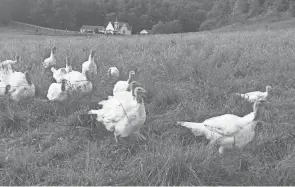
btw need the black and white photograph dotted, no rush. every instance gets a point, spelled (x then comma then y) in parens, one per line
(147, 92)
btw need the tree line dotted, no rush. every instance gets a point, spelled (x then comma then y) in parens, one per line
(160, 16)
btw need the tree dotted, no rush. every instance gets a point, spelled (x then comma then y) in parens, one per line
(96, 11)
(224, 13)
(240, 7)
(63, 17)
(187, 20)
(220, 13)
(239, 10)
(5, 12)
(254, 8)
(190, 15)
(21, 10)
(145, 22)
(157, 29)
(281, 5)
(200, 16)
(215, 11)
(133, 20)
(208, 25)
(176, 26)
(110, 17)
(292, 9)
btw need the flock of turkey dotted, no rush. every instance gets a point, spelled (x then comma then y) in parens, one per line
(124, 112)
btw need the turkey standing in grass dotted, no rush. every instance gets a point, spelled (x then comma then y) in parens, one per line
(4, 90)
(80, 82)
(57, 92)
(5, 72)
(123, 85)
(90, 66)
(72, 76)
(20, 86)
(51, 60)
(74, 84)
(253, 96)
(113, 73)
(58, 74)
(124, 96)
(124, 118)
(11, 62)
(69, 89)
(228, 130)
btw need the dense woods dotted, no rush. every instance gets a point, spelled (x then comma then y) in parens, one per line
(160, 16)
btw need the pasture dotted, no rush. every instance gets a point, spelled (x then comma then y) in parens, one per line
(189, 77)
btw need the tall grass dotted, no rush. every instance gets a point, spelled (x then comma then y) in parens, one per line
(189, 77)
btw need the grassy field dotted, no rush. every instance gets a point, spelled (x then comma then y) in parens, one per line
(189, 77)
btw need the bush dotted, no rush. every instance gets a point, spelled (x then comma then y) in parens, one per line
(292, 10)
(208, 25)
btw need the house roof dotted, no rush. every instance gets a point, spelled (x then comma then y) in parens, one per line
(110, 26)
(143, 31)
(127, 25)
(92, 27)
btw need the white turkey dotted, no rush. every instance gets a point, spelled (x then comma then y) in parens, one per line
(58, 74)
(124, 96)
(124, 118)
(123, 85)
(11, 62)
(228, 130)
(113, 73)
(57, 92)
(20, 86)
(5, 72)
(253, 96)
(90, 66)
(51, 60)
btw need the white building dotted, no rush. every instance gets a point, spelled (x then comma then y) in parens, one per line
(119, 28)
(143, 32)
(110, 29)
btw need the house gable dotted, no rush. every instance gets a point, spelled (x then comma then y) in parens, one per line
(123, 24)
(125, 30)
(110, 27)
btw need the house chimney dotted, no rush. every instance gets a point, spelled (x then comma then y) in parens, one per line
(116, 24)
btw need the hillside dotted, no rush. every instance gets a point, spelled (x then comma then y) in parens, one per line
(265, 23)
(249, 25)
(160, 16)
(268, 23)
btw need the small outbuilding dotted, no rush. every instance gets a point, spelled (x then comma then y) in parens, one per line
(143, 32)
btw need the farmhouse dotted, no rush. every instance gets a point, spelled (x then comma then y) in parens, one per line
(92, 29)
(118, 28)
